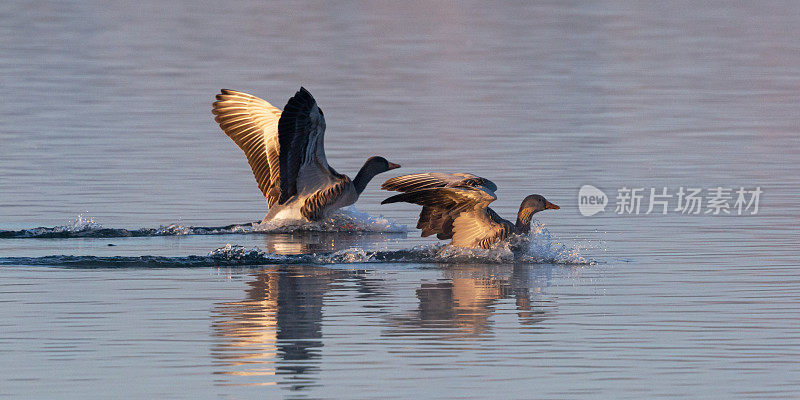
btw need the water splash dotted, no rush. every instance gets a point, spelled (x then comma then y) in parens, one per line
(345, 220)
(80, 227)
(542, 247)
(82, 223)
(537, 247)
(348, 219)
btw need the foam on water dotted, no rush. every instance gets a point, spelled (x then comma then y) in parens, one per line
(348, 219)
(345, 220)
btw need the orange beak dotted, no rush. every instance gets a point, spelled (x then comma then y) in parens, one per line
(393, 166)
(551, 206)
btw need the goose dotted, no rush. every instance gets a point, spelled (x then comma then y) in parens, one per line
(456, 206)
(285, 150)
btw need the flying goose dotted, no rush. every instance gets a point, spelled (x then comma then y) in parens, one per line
(286, 152)
(456, 206)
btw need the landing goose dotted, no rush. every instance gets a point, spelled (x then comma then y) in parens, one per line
(456, 206)
(286, 152)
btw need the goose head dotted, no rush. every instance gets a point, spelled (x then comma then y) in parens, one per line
(379, 164)
(531, 205)
(536, 203)
(373, 166)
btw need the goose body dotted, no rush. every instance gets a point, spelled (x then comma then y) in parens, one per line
(456, 206)
(286, 152)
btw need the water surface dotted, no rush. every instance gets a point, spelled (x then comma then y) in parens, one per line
(107, 114)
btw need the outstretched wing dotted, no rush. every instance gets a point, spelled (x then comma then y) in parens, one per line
(442, 205)
(437, 217)
(450, 199)
(301, 132)
(408, 183)
(252, 123)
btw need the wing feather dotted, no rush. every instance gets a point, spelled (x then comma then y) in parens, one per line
(442, 205)
(434, 220)
(480, 228)
(301, 134)
(450, 199)
(454, 206)
(408, 183)
(252, 123)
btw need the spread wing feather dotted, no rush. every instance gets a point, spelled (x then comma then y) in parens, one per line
(301, 134)
(407, 183)
(451, 199)
(435, 220)
(441, 206)
(454, 206)
(252, 124)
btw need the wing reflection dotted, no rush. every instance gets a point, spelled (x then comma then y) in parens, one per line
(461, 304)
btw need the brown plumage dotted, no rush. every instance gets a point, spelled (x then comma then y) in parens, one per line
(456, 206)
(314, 205)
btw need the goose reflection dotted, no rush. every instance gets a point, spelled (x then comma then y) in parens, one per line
(276, 330)
(461, 304)
(274, 335)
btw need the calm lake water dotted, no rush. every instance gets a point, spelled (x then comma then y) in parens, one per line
(107, 114)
